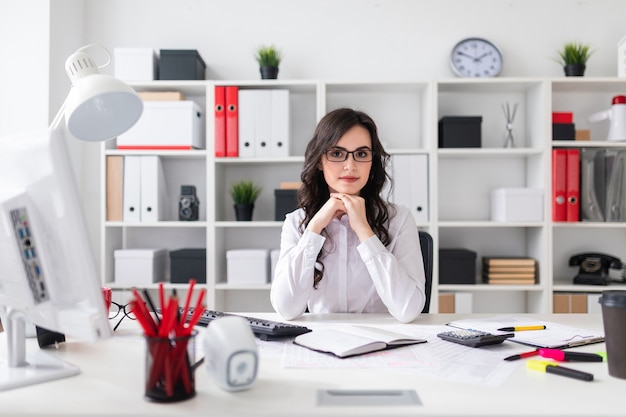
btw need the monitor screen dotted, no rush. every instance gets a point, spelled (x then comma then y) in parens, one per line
(48, 276)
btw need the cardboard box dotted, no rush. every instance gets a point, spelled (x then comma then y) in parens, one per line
(181, 64)
(457, 266)
(166, 125)
(247, 266)
(186, 264)
(517, 205)
(140, 266)
(460, 132)
(136, 64)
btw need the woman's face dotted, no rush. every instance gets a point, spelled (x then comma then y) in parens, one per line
(349, 176)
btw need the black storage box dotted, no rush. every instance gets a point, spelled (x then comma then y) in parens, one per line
(186, 264)
(286, 202)
(181, 64)
(563, 131)
(460, 131)
(457, 266)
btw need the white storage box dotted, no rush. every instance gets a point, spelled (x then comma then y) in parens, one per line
(517, 205)
(136, 64)
(247, 266)
(140, 266)
(166, 125)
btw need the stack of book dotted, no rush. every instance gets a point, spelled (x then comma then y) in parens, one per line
(509, 270)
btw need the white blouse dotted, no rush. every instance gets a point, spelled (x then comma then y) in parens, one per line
(358, 277)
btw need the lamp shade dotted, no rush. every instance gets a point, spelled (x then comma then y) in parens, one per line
(99, 107)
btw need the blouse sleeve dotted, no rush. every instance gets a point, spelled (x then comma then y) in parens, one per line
(293, 276)
(398, 270)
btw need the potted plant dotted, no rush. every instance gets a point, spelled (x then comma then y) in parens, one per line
(244, 194)
(573, 57)
(268, 57)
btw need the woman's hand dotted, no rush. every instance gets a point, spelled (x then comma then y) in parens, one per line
(334, 207)
(354, 207)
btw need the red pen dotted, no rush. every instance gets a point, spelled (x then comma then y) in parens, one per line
(522, 355)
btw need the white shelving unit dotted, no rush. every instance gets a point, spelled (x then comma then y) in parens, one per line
(407, 114)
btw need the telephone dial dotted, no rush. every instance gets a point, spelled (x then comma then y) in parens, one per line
(594, 267)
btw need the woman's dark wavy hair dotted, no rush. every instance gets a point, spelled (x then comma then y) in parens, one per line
(314, 193)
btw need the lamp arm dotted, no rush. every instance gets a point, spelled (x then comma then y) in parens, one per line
(56, 122)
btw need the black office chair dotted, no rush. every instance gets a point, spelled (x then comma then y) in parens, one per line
(426, 242)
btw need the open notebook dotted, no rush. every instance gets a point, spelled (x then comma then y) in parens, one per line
(353, 340)
(555, 336)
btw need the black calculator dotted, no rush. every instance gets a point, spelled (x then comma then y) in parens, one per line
(474, 338)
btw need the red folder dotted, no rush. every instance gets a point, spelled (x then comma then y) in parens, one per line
(220, 121)
(573, 185)
(232, 121)
(559, 184)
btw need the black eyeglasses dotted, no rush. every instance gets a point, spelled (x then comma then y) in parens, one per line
(341, 154)
(115, 311)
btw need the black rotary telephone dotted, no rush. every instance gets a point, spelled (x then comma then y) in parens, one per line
(594, 267)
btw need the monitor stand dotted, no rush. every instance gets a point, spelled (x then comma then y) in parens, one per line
(22, 369)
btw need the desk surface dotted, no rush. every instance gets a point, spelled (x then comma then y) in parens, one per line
(111, 378)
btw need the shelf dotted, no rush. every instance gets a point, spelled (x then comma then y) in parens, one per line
(459, 182)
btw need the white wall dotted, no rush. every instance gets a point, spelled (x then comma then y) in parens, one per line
(321, 39)
(24, 73)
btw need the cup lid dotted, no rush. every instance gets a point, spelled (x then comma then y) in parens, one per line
(613, 298)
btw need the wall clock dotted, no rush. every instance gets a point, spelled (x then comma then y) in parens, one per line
(476, 57)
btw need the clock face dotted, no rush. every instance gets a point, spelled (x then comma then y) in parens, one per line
(476, 57)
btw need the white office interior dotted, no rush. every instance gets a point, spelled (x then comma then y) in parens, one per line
(347, 40)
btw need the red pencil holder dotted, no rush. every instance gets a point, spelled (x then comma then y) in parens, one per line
(169, 369)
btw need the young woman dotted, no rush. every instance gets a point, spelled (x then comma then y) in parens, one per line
(346, 250)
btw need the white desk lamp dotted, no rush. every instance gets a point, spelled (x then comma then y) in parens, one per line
(98, 107)
(41, 285)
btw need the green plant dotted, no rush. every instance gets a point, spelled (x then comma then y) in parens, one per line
(245, 192)
(574, 53)
(268, 56)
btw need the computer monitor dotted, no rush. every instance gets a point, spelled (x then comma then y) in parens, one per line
(48, 274)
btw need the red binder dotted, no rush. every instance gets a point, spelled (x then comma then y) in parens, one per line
(232, 121)
(220, 121)
(573, 185)
(559, 184)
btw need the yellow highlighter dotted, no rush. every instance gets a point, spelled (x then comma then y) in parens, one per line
(553, 368)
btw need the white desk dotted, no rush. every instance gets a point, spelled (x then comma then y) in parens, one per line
(111, 383)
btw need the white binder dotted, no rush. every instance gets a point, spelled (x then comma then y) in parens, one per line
(263, 123)
(280, 123)
(410, 177)
(132, 189)
(154, 196)
(246, 123)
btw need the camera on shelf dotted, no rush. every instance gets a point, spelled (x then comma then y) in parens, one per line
(188, 203)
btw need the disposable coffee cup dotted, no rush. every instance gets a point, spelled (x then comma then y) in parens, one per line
(614, 319)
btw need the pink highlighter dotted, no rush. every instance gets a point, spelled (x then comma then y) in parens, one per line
(559, 355)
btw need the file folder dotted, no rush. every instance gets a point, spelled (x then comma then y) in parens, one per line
(280, 123)
(572, 210)
(154, 198)
(232, 121)
(559, 170)
(410, 176)
(616, 192)
(247, 106)
(220, 121)
(132, 189)
(592, 185)
(263, 118)
(115, 188)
